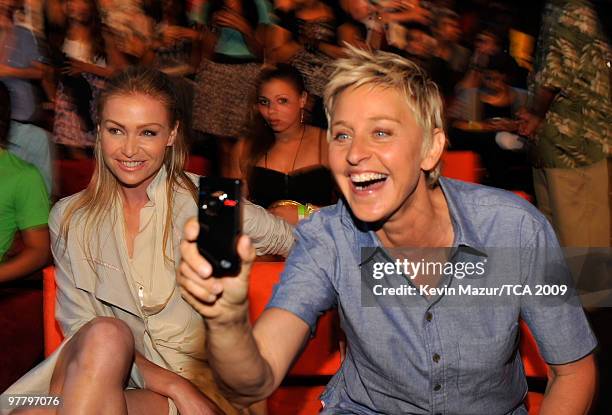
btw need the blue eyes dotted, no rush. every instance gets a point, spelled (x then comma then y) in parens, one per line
(375, 133)
(382, 133)
(341, 136)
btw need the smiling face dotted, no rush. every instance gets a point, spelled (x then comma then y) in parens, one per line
(376, 152)
(280, 104)
(135, 132)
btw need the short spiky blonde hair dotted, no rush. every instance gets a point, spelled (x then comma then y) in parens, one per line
(388, 70)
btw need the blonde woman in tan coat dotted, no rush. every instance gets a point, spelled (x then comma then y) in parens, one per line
(132, 344)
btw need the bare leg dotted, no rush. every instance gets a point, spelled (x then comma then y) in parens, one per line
(146, 402)
(91, 371)
(139, 402)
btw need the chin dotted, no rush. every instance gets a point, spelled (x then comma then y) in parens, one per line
(130, 181)
(367, 213)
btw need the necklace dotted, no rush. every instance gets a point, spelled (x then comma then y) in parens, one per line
(297, 151)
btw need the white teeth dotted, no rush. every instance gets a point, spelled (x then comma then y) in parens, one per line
(132, 164)
(366, 177)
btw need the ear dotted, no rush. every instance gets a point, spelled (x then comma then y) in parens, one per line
(303, 99)
(173, 135)
(432, 157)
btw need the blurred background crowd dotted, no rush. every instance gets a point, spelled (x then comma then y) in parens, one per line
(56, 55)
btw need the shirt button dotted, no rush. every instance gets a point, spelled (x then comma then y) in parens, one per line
(437, 387)
(428, 316)
(436, 357)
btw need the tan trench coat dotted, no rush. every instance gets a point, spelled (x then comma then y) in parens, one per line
(104, 281)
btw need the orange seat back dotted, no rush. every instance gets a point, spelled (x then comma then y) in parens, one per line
(533, 363)
(52, 331)
(322, 355)
(462, 165)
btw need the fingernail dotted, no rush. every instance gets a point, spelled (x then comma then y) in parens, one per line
(205, 270)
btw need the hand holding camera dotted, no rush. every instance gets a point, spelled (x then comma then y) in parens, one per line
(221, 300)
(215, 259)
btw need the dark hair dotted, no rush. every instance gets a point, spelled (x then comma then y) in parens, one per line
(285, 72)
(5, 114)
(259, 136)
(96, 27)
(249, 11)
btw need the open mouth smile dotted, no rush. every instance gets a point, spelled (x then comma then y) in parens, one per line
(367, 181)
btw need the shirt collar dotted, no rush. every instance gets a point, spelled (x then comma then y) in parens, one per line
(466, 233)
(156, 188)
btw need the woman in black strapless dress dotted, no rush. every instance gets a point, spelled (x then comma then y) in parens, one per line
(283, 160)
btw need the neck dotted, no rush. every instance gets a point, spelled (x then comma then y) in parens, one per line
(78, 30)
(134, 198)
(422, 221)
(293, 133)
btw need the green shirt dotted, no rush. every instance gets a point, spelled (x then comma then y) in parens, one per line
(24, 202)
(572, 56)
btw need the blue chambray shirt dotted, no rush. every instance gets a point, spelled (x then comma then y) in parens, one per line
(436, 356)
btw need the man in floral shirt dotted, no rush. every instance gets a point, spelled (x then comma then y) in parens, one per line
(569, 119)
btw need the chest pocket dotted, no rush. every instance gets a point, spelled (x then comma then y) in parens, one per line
(179, 328)
(486, 363)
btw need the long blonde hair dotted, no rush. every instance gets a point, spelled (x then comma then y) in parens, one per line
(95, 202)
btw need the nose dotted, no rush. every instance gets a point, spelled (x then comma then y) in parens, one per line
(130, 146)
(358, 151)
(272, 109)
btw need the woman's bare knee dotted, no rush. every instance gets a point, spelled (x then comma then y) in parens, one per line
(104, 341)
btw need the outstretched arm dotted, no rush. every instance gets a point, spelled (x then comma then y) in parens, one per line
(249, 361)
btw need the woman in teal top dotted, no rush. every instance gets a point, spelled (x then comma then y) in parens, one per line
(232, 44)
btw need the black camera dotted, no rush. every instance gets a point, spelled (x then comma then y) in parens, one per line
(220, 217)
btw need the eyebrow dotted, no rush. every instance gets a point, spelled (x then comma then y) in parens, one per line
(377, 118)
(275, 96)
(139, 126)
(384, 118)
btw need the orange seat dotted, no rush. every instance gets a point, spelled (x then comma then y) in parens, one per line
(321, 356)
(52, 331)
(462, 165)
